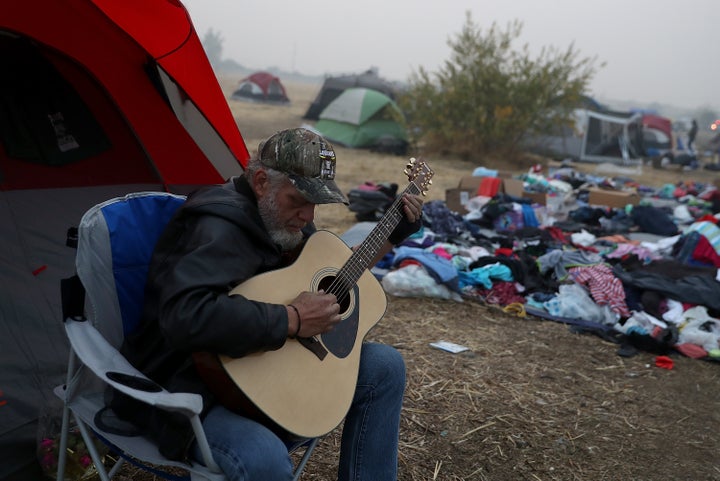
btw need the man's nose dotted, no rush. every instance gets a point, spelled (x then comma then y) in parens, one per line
(307, 213)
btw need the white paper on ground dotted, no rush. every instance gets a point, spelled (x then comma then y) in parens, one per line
(449, 346)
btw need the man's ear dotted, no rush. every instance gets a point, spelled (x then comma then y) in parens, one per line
(260, 183)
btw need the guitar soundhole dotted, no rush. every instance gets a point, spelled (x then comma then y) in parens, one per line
(326, 284)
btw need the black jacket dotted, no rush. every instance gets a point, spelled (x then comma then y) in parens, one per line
(214, 242)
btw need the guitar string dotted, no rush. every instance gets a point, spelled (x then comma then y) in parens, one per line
(348, 276)
(350, 273)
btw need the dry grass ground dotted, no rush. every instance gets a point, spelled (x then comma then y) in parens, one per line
(530, 400)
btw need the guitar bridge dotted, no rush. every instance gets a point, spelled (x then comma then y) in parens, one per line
(313, 345)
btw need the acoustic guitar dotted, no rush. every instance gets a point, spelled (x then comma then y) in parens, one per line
(306, 387)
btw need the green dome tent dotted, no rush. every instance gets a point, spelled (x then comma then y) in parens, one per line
(363, 118)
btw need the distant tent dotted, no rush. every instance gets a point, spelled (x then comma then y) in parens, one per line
(612, 137)
(595, 136)
(657, 134)
(587, 102)
(261, 87)
(364, 118)
(334, 86)
(566, 140)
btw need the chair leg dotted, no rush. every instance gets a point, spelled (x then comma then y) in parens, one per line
(92, 450)
(62, 451)
(116, 468)
(303, 461)
(65, 428)
(202, 442)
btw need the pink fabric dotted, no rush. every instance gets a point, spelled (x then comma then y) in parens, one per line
(691, 350)
(440, 251)
(604, 287)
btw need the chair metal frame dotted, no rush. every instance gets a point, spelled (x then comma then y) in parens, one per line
(94, 329)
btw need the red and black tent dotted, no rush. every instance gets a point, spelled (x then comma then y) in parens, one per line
(98, 98)
(261, 87)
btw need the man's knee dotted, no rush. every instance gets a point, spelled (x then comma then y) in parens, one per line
(269, 462)
(384, 362)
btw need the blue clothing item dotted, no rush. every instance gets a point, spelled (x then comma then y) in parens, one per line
(529, 217)
(484, 172)
(441, 269)
(637, 330)
(484, 275)
(248, 451)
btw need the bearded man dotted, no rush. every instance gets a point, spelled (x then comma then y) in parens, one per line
(220, 237)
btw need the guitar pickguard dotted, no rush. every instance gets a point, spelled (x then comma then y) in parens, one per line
(341, 339)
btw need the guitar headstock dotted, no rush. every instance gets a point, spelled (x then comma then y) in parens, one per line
(419, 174)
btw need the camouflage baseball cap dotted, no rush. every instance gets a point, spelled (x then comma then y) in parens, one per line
(309, 162)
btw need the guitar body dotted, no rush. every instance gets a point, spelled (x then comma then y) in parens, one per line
(305, 393)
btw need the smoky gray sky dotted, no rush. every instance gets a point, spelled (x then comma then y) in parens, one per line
(664, 51)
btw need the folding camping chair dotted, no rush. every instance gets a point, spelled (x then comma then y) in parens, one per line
(115, 242)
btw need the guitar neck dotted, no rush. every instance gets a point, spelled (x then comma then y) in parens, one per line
(370, 247)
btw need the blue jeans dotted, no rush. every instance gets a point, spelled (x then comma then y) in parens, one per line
(248, 451)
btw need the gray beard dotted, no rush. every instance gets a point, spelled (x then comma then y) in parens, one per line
(268, 213)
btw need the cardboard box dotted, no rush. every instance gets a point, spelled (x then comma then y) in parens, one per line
(615, 199)
(470, 182)
(536, 197)
(468, 187)
(516, 188)
(455, 199)
(473, 182)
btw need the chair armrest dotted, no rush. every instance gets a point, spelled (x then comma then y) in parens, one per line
(108, 364)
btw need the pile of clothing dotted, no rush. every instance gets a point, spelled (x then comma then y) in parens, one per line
(643, 275)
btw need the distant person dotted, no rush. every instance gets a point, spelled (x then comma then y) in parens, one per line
(692, 133)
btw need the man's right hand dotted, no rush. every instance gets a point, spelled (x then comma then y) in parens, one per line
(318, 313)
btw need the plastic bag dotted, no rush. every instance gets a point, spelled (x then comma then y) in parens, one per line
(414, 281)
(574, 302)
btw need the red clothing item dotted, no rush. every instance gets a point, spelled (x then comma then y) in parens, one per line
(489, 186)
(708, 218)
(604, 287)
(704, 252)
(664, 362)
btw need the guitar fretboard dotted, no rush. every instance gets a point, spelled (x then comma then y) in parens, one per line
(360, 260)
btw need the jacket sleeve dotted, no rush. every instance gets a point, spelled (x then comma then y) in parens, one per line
(192, 283)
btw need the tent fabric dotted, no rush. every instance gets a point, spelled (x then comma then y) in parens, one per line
(612, 136)
(333, 86)
(102, 45)
(599, 135)
(261, 87)
(25, 130)
(360, 118)
(657, 134)
(163, 29)
(356, 106)
(134, 106)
